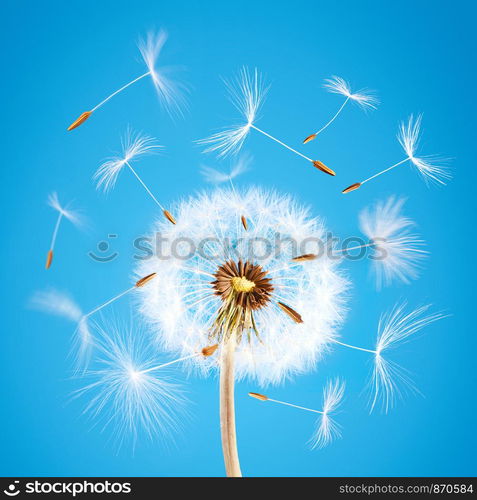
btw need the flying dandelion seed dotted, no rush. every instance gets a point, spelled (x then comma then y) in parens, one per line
(67, 213)
(214, 176)
(326, 428)
(61, 304)
(431, 168)
(127, 389)
(400, 251)
(397, 252)
(170, 93)
(247, 94)
(336, 85)
(271, 317)
(133, 147)
(394, 328)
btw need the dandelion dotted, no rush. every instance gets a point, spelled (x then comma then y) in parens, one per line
(430, 167)
(247, 95)
(170, 93)
(65, 212)
(326, 428)
(272, 318)
(133, 147)
(61, 304)
(336, 85)
(395, 327)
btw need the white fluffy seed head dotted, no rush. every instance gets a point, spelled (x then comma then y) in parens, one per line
(326, 428)
(121, 394)
(247, 94)
(74, 216)
(398, 252)
(396, 327)
(60, 304)
(181, 306)
(364, 98)
(432, 168)
(171, 93)
(134, 145)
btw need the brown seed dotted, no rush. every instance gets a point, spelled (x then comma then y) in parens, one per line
(353, 187)
(49, 259)
(169, 216)
(81, 119)
(309, 138)
(306, 256)
(208, 351)
(145, 280)
(256, 395)
(292, 313)
(244, 222)
(321, 166)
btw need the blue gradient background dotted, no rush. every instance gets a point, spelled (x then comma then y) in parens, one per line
(59, 58)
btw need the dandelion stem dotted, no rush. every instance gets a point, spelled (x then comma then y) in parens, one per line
(385, 170)
(334, 117)
(280, 142)
(110, 301)
(120, 90)
(144, 185)
(353, 347)
(227, 408)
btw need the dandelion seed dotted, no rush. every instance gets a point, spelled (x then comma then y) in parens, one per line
(353, 187)
(61, 304)
(171, 94)
(394, 328)
(305, 257)
(237, 168)
(326, 428)
(145, 280)
(336, 85)
(80, 120)
(247, 94)
(431, 168)
(321, 166)
(65, 212)
(291, 312)
(260, 397)
(133, 147)
(399, 251)
(169, 216)
(125, 389)
(210, 350)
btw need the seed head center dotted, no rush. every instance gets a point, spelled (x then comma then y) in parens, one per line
(242, 284)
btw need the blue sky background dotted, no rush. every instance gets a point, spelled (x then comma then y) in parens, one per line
(60, 58)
